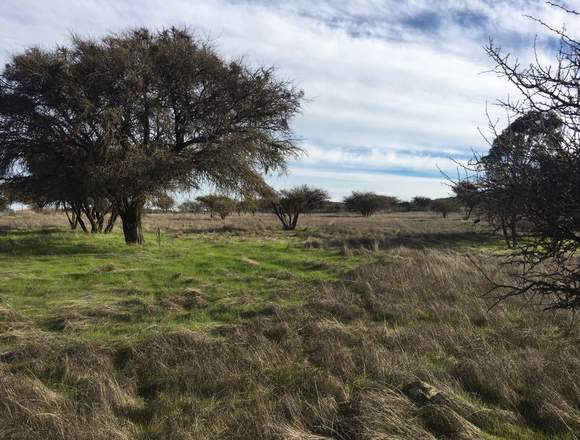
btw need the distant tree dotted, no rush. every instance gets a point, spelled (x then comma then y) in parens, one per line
(264, 204)
(420, 203)
(444, 206)
(224, 206)
(404, 206)
(468, 195)
(190, 206)
(44, 188)
(99, 213)
(535, 165)
(164, 202)
(368, 203)
(515, 153)
(133, 114)
(289, 204)
(332, 207)
(207, 202)
(247, 205)
(217, 204)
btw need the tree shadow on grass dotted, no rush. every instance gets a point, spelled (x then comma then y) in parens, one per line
(48, 242)
(218, 229)
(419, 240)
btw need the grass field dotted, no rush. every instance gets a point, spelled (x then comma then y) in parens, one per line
(96, 287)
(349, 328)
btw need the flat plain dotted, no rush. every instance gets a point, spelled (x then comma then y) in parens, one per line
(347, 328)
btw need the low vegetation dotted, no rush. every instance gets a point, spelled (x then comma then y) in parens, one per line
(243, 331)
(368, 203)
(289, 204)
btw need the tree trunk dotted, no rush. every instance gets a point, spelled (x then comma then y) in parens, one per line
(131, 218)
(294, 221)
(514, 232)
(87, 210)
(468, 212)
(72, 218)
(111, 223)
(79, 216)
(505, 233)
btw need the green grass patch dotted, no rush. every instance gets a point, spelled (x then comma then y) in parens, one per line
(99, 288)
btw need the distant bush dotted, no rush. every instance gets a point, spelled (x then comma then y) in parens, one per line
(247, 205)
(404, 206)
(444, 206)
(420, 203)
(468, 195)
(163, 202)
(217, 204)
(331, 207)
(190, 206)
(289, 204)
(368, 203)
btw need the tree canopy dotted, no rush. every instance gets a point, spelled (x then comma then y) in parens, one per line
(508, 171)
(129, 115)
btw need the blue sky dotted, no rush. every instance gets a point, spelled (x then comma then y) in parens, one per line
(394, 89)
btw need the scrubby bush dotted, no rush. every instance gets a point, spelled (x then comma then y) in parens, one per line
(289, 204)
(163, 202)
(217, 204)
(444, 206)
(531, 175)
(247, 205)
(420, 203)
(368, 203)
(190, 206)
(468, 195)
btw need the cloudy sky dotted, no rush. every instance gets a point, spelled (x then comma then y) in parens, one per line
(394, 88)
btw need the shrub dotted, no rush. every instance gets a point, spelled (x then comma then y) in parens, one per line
(368, 203)
(289, 204)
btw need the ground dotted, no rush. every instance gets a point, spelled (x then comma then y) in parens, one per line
(348, 328)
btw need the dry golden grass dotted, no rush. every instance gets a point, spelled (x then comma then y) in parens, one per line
(404, 348)
(400, 223)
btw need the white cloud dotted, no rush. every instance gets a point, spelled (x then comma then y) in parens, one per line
(377, 160)
(403, 94)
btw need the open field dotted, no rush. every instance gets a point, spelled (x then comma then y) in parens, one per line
(348, 328)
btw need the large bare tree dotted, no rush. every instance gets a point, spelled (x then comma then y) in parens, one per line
(535, 166)
(133, 114)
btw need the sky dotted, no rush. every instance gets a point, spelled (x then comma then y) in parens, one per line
(395, 90)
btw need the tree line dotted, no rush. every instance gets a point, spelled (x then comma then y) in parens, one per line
(288, 204)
